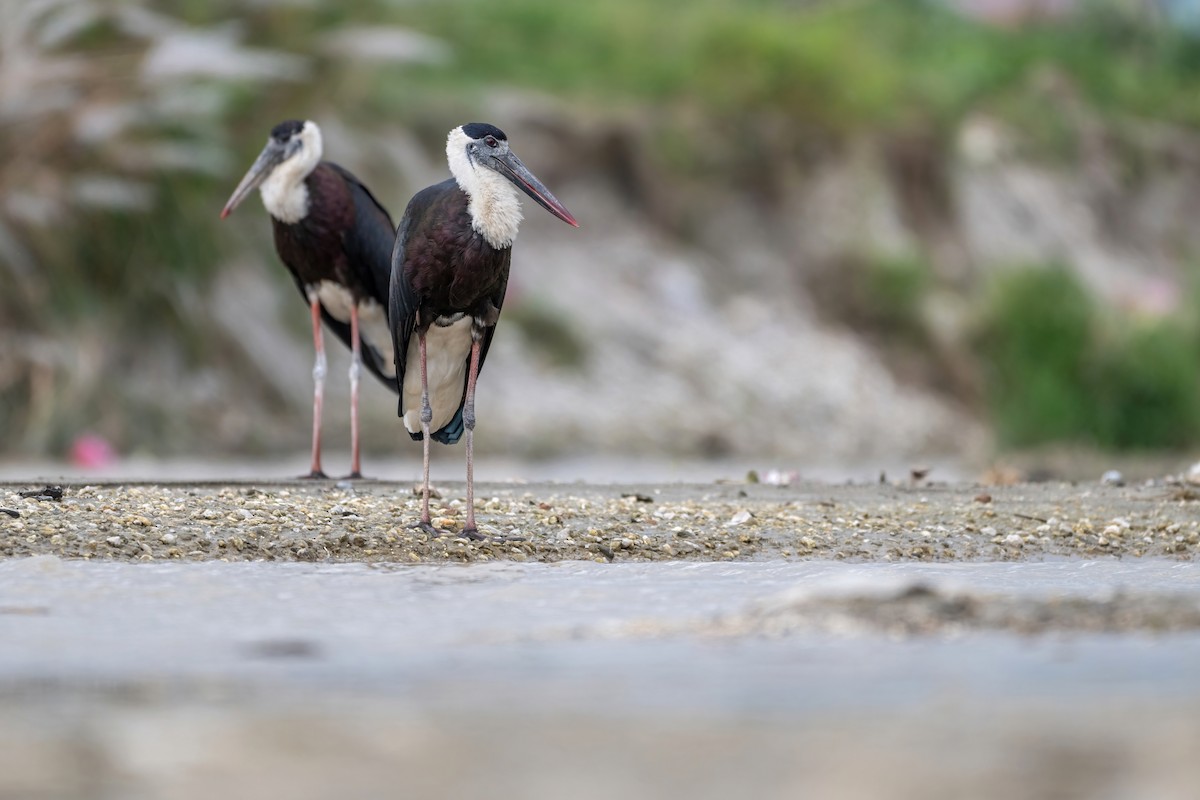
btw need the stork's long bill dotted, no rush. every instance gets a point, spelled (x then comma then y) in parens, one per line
(267, 160)
(511, 167)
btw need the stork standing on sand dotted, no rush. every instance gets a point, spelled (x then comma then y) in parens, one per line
(336, 240)
(449, 271)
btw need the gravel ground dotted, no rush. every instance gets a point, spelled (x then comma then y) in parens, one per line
(368, 521)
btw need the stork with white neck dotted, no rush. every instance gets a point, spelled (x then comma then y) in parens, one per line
(449, 271)
(336, 240)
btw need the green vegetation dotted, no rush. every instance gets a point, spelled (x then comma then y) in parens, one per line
(838, 65)
(1059, 369)
(893, 291)
(1038, 348)
(881, 297)
(1146, 391)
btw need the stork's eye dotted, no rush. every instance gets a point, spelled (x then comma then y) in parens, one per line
(490, 141)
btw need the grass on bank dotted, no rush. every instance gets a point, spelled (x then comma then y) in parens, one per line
(1061, 368)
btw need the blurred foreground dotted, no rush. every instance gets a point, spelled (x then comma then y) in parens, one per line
(574, 680)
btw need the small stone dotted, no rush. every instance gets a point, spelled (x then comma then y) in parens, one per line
(983, 497)
(168, 538)
(54, 493)
(1192, 476)
(115, 541)
(1113, 478)
(779, 477)
(740, 518)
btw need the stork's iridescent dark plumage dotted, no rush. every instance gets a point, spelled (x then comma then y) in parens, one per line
(449, 272)
(336, 240)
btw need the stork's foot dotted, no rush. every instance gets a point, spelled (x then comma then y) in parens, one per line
(354, 476)
(315, 475)
(425, 526)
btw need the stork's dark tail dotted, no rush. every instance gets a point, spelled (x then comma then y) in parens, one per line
(449, 433)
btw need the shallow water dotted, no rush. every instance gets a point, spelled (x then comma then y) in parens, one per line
(570, 636)
(575, 680)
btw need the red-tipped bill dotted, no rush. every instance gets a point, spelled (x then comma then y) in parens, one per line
(511, 167)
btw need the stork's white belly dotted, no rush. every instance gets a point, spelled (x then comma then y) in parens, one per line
(372, 321)
(446, 350)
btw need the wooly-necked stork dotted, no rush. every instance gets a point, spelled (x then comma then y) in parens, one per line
(449, 272)
(336, 240)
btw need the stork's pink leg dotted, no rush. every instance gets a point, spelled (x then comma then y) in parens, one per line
(318, 385)
(470, 531)
(355, 371)
(426, 418)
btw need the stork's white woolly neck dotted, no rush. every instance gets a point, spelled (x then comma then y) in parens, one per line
(494, 205)
(283, 192)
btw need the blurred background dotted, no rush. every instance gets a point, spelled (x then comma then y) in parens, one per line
(813, 231)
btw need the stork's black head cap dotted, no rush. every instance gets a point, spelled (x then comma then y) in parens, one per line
(286, 130)
(478, 130)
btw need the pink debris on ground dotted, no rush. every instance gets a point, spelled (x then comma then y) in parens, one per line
(92, 451)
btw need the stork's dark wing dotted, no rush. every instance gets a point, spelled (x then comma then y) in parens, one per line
(365, 244)
(369, 246)
(403, 303)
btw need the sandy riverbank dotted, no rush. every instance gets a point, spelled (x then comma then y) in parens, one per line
(368, 521)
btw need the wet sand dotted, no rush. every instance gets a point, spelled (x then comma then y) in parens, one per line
(709, 640)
